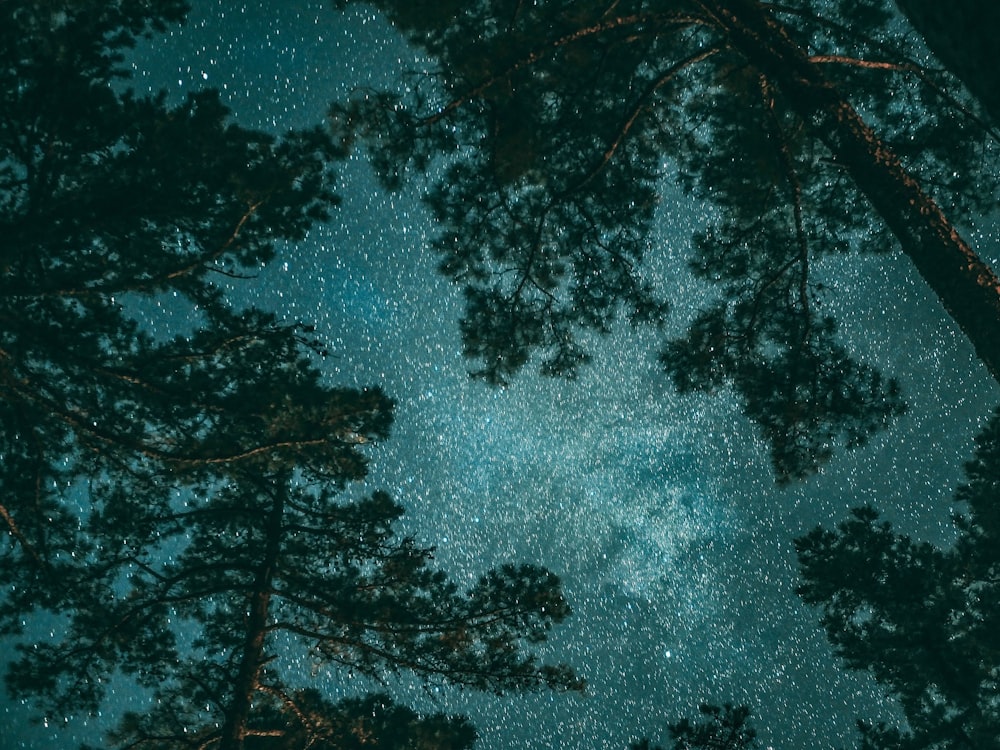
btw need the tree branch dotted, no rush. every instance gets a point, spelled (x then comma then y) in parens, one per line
(640, 104)
(611, 24)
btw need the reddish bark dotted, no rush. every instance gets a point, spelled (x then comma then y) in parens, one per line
(966, 286)
(234, 730)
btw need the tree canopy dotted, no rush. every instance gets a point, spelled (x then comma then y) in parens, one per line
(550, 128)
(725, 727)
(212, 596)
(181, 503)
(106, 198)
(175, 498)
(922, 619)
(305, 719)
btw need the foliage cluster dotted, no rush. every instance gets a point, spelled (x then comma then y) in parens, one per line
(549, 128)
(174, 501)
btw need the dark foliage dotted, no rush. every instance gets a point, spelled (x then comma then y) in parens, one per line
(266, 570)
(160, 484)
(106, 198)
(549, 127)
(923, 620)
(962, 37)
(725, 727)
(305, 720)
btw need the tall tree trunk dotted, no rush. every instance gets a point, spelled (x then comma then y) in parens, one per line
(967, 287)
(244, 686)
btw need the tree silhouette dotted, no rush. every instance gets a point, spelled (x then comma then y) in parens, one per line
(553, 125)
(960, 39)
(258, 566)
(306, 720)
(923, 620)
(725, 727)
(107, 197)
(162, 484)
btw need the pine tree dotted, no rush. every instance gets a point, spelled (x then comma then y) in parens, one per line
(159, 484)
(553, 125)
(108, 198)
(265, 569)
(922, 619)
(725, 727)
(305, 719)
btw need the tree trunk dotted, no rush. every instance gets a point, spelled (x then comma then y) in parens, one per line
(965, 285)
(963, 37)
(247, 678)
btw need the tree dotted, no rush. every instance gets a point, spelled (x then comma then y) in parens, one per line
(307, 720)
(721, 728)
(923, 620)
(258, 565)
(274, 569)
(156, 483)
(554, 125)
(107, 198)
(960, 39)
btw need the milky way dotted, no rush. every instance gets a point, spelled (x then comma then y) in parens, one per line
(659, 512)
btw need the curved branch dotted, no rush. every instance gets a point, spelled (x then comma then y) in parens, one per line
(148, 285)
(667, 76)
(921, 73)
(610, 24)
(16, 532)
(795, 184)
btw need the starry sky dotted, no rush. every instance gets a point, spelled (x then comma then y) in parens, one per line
(659, 512)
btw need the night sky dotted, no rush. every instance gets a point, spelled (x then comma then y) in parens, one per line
(659, 512)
